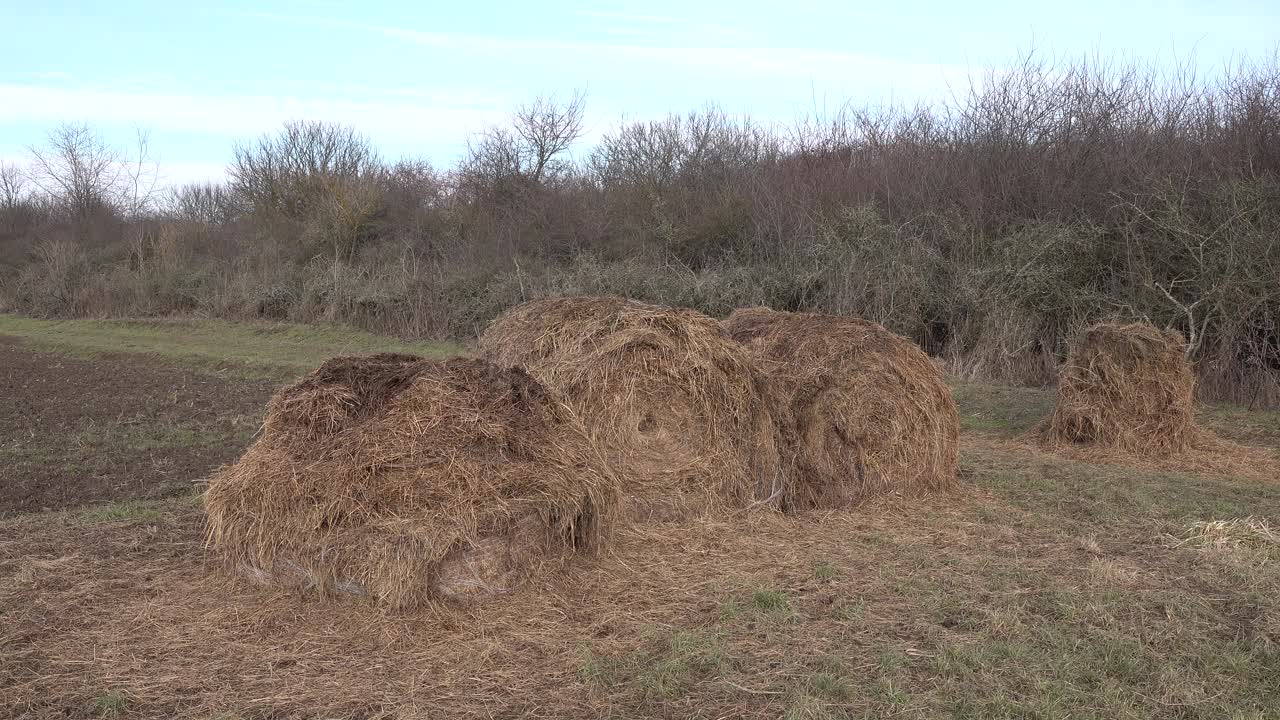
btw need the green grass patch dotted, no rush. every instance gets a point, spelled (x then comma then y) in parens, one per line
(251, 350)
(1252, 427)
(1064, 493)
(110, 705)
(824, 571)
(771, 604)
(998, 409)
(829, 681)
(765, 604)
(848, 610)
(666, 667)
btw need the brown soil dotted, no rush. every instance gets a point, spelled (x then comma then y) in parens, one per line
(75, 431)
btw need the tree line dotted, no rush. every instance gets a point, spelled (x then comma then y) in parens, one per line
(988, 227)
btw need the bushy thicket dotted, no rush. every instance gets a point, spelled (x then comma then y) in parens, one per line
(988, 228)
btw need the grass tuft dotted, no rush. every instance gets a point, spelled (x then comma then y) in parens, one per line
(666, 667)
(110, 705)
(773, 603)
(824, 571)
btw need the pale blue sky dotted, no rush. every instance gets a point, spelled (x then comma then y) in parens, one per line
(417, 77)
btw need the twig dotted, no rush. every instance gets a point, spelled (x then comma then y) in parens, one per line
(1193, 343)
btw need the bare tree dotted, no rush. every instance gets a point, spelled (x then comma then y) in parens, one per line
(546, 129)
(492, 159)
(644, 155)
(18, 208)
(77, 170)
(13, 186)
(287, 173)
(531, 151)
(139, 181)
(703, 147)
(204, 203)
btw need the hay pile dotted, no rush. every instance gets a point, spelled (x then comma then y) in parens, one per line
(679, 410)
(1127, 388)
(1126, 396)
(410, 481)
(867, 412)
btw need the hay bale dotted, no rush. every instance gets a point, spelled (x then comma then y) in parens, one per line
(410, 481)
(341, 392)
(868, 413)
(679, 410)
(1127, 388)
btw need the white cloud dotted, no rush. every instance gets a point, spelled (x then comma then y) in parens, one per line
(740, 74)
(397, 114)
(642, 25)
(742, 62)
(737, 58)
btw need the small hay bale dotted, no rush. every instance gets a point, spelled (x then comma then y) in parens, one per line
(411, 481)
(680, 411)
(868, 413)
(1126, 395)
(1127, 388)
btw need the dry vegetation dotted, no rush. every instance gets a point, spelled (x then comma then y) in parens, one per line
(678, 408)
(1127, 387)
(865, 411)
(411, 480)
(665, 515)
(1046, 587)
(987, 229)
(1127, 393)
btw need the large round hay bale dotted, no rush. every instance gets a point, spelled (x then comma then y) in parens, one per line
(411, 480)
(867, 412)
(680, 411)
(1127, 388)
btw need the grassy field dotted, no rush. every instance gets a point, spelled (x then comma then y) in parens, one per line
(1045, 589)
(268, 350)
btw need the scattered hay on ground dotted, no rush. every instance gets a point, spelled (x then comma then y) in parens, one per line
(129, 606)
(681, 412)
(411, 480)
(1127, 393)
(1249, 532)
(868, 412)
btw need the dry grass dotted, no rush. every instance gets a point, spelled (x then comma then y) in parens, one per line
(1043, 588)
(681, 412)
(1126, 393)
(411, 480)
(1232, 533)
(140, 613)
(942, 607)
(867, 412)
